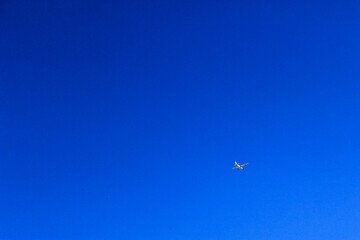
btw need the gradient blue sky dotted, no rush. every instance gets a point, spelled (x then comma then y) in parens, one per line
(122, 120)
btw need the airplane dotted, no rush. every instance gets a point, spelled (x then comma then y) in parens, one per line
(239, 166)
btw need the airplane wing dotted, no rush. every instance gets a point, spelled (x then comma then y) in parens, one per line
(244, 164)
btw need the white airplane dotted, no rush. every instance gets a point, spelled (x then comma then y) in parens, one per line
(239, 166)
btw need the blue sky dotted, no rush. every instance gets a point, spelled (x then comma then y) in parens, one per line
(122, 120)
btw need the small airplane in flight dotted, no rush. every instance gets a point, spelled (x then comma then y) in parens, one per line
(236, 165)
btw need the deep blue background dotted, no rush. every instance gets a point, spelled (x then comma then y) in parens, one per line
(122, 120)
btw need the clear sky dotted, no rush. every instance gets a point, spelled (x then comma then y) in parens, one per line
(122, 120)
